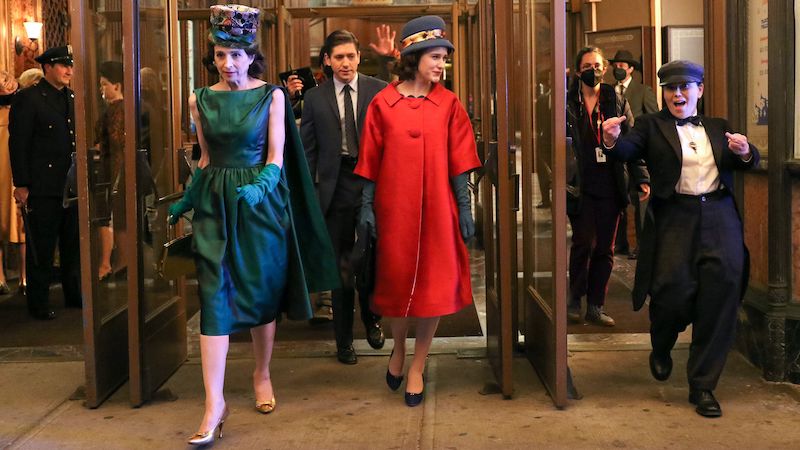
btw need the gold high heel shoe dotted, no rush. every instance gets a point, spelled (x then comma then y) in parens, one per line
(266, 407)
(207, 437)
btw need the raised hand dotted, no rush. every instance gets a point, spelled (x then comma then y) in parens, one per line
(385, 45)
(738, 144)
(611, 130)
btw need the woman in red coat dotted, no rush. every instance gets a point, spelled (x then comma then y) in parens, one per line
(416, 149)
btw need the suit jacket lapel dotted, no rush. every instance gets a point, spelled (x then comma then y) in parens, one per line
(330, 96)
(667, 125)
(715, 135)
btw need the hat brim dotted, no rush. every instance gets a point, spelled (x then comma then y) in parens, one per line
(65, 61)
(630, 62)
(424, 45)
(678, 79)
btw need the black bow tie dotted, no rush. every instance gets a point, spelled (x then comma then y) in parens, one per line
(694, 120)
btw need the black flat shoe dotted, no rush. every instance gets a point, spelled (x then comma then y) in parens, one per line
(660, 367)
(375, 336)
(346, 355)
(393, 381)
(707, 405)
(415, 399)
(43, 314)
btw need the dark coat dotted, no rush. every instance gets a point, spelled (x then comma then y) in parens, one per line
(42, 138)
(611, 105)
(320, 129)
(641, 98)
(655, 139)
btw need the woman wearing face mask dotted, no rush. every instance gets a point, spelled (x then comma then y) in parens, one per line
(598, 189)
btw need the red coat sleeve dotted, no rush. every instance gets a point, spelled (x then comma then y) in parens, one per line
(370, 151)
(463, 153)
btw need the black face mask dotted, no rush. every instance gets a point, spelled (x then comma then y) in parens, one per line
(592, 77)
(620, 74)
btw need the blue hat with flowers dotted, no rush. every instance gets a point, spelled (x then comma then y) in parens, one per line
(423, 33)
(234, 26)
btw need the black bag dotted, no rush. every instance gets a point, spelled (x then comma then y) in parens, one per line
(363, 261)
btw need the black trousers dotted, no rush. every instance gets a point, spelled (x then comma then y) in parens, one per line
(591, 256)
(50, 224)
(341, 219)
(697, 279)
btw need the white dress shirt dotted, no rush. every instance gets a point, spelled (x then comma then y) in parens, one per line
(699, 173)
(621, 87)
(338, 87)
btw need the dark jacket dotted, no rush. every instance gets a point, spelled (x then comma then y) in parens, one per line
(320, 129)
(611, 105)
(641, 98)
(42, 137)
(655, 139)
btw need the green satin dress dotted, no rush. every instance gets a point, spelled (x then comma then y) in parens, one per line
(241, 251)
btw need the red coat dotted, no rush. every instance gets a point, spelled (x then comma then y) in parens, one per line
(410, 148)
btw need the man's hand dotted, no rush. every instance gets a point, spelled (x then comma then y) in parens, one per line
(611, 130)
(294, 85)
(738, 144)
(644, 192)
(21, 195)
(385, 45)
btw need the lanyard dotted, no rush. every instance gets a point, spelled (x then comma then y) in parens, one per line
(595, 131)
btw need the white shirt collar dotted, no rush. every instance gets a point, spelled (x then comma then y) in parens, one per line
(338, 85)
(627, 82)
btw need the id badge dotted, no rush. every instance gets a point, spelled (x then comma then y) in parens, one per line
(599, 155)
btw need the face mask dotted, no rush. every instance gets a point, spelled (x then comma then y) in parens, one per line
(592, 77)
(620, 74)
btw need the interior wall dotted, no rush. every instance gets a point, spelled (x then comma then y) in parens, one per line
(613, 14)
(681, 12)
(19, 12)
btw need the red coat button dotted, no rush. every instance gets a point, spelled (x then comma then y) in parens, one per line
(414, 133)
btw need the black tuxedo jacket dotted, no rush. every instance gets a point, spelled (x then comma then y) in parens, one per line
(321, 131)
(654, 138)
(42, 138)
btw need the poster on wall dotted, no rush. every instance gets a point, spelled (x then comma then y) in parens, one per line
(636, 40)
(757, 73)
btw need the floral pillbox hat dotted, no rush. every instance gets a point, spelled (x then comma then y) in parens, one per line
(234, 26)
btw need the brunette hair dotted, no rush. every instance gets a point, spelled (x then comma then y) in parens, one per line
(406, 68)
(255, 70)
(584, 51)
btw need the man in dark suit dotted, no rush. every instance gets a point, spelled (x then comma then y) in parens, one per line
(42, 129)
(332, 117)
(693, 261)
(642, 100)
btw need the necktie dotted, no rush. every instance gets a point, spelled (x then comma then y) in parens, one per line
(694, 120)
(350, 123)
(621, 89)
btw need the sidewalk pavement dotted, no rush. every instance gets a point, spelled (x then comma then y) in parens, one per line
(322, 404)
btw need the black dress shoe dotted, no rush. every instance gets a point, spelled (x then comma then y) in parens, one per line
(346, 355)
(375, 336)
(707, 405)
(393, 381)
(43, 314)
(415, 399)
(660, 366)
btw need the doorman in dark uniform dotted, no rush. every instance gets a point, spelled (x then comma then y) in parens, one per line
(333, 114)
(42, 129)
(693, 262)
(642, 100)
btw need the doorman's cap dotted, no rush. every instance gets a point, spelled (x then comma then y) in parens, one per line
(56, 55)
(423, 33)
(680, 71)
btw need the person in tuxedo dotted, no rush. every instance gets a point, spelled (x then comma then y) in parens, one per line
(333, 115)
(693, 262)
(641, 100)
(42, 138)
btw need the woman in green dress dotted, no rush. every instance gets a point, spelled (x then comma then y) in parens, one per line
(255, 215)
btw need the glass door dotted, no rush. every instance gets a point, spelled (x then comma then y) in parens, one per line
(96, 37)
(157, 321)
(542, 56)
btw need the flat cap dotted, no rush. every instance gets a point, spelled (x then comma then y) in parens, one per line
(56, 55)
(680, 71)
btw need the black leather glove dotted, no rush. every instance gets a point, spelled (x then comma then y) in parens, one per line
(461, 191)
(366, 217)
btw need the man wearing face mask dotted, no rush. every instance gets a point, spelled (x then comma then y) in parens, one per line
(693, 264)
(598, 188)
(642, 100)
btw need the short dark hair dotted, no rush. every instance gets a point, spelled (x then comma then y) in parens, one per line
(340, 37)
(258, 66)
(584, 51)
(406, 68)
(112, 71)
